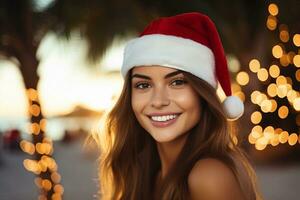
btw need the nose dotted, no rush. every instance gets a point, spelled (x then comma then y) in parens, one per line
(160, 98)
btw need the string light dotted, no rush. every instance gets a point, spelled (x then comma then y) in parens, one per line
(293, 138)
(27, 147)
(271, 23)
(284, 60)
(254, 65)
(279, 85)
(256, 117)
(296, 40)
(296, 104)
(283, 137)
(284, 36)
(273, 9)
(274, 71)
(277, 51)
(296, 60)
(262, 74)
(242, 78)
(46, 164)
(272, 90)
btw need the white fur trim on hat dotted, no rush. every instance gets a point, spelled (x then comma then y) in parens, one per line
(233, 107)
(170, 51)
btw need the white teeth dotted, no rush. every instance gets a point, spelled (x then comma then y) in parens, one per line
(163, 118)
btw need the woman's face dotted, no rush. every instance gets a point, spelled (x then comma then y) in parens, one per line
(163, 102)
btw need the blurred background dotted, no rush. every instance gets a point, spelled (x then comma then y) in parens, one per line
(59, 72)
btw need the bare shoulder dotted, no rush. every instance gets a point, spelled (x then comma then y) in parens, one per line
(211, 179)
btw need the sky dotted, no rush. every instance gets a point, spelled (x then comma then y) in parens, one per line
(67, 79)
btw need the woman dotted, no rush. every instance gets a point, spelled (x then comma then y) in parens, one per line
(168, 136)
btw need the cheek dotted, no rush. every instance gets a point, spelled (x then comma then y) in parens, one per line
(187, 100)
(138, 102)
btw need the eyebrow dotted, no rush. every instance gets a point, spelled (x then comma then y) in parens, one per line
(148, 78)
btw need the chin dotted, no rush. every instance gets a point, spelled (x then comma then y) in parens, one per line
(163, 138)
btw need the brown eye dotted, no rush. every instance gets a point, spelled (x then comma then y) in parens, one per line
(178, 82)
(142, 85)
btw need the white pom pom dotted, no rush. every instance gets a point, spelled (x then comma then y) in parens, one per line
(233, 107)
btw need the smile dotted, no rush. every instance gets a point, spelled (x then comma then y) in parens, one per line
(161, 121)
(163, 118)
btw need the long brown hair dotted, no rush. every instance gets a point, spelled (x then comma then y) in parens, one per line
(129, 159)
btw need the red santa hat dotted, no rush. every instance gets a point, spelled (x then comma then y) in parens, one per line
(188, 42)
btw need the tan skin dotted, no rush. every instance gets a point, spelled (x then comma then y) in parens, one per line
(162, 91)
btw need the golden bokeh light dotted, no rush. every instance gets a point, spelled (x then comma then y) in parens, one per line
(34, 128)
(34, 110)
(46, 184)
(266, 106)
(50, 162)
(260, 146)
(284, 36)
(43, 165)
(32, 94)
(269, 132)
(56, 196)
(251, 139)
(274, 71)
(256, 117)
(43, 124)
(271, 22)
(284, 60)
(260, 98)
(272, 90)
(58, 188)
(261, 143)
(296, 40)
(293, 138)
(291, 55)
(296, 60)
(55, 177)
(283, 137)
(277, 51)
(296, 103)
(242, 78)
(274, 141)
(27, 147)
(257, 132)
(254, 65)
(32, 165)
(235, 87)
(38, 182)
(274, 105)
(281, 80)
(254, 95)
(273, 9)
(283, 112)
(43, 148)
(262, 74)
(282, 91)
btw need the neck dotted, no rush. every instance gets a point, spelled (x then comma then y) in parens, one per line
(169, 152)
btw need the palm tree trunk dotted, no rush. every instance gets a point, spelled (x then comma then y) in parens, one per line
(29, 64)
